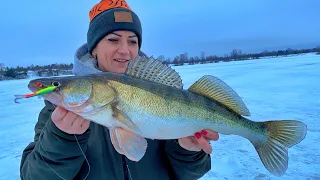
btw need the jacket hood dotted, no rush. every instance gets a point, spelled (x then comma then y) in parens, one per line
(85, 64)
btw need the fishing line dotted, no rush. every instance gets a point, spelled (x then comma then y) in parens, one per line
(85, 157)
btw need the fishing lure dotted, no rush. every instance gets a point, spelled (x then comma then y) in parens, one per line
(38, 93)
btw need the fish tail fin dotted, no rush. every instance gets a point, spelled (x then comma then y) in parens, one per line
(281, 136)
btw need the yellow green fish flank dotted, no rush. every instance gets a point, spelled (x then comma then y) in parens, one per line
(149, 101)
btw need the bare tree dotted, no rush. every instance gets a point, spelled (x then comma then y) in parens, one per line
(2, 67)
(203, 57)
(183, 59)
(236, 54)
(176, 61)
(161, 58)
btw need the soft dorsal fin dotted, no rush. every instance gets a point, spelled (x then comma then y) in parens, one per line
(154, 70)
(214, 88)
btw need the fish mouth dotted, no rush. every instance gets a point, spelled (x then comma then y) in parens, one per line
(36, 85)
(32, 86)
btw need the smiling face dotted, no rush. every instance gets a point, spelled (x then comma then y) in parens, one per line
(115, 50)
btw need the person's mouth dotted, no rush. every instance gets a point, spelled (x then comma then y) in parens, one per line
(121, 60)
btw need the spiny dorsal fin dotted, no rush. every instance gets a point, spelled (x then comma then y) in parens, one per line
(153, 70)
(214, 88)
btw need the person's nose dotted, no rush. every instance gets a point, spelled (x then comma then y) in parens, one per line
(124, 49)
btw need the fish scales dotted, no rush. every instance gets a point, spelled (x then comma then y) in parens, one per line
(148, 101)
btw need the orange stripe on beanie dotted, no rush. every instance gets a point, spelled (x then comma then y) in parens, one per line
(105, 5)
(108, 16)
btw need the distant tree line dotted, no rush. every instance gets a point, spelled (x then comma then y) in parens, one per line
(20, 72)
(234, 55)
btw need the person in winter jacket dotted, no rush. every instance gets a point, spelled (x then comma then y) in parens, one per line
(66, 146)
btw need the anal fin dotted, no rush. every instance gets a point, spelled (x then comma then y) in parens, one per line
(128, 143)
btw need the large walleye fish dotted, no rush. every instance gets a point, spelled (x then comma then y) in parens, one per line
(148, 101)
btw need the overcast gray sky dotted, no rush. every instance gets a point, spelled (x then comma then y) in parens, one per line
(45, 32)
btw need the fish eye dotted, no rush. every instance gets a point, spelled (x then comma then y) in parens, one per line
(56, 84)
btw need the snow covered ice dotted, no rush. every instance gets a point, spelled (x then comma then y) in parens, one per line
(272, 88)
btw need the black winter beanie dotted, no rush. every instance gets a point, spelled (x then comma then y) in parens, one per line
(108, 16)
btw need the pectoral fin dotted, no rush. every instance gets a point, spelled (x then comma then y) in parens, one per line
(124, 118)
(128, 143)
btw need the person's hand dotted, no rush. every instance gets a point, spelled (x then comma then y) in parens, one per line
(69, 122)
(200, 141)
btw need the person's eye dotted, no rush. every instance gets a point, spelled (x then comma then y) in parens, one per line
(133, 42)
(113, 40)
